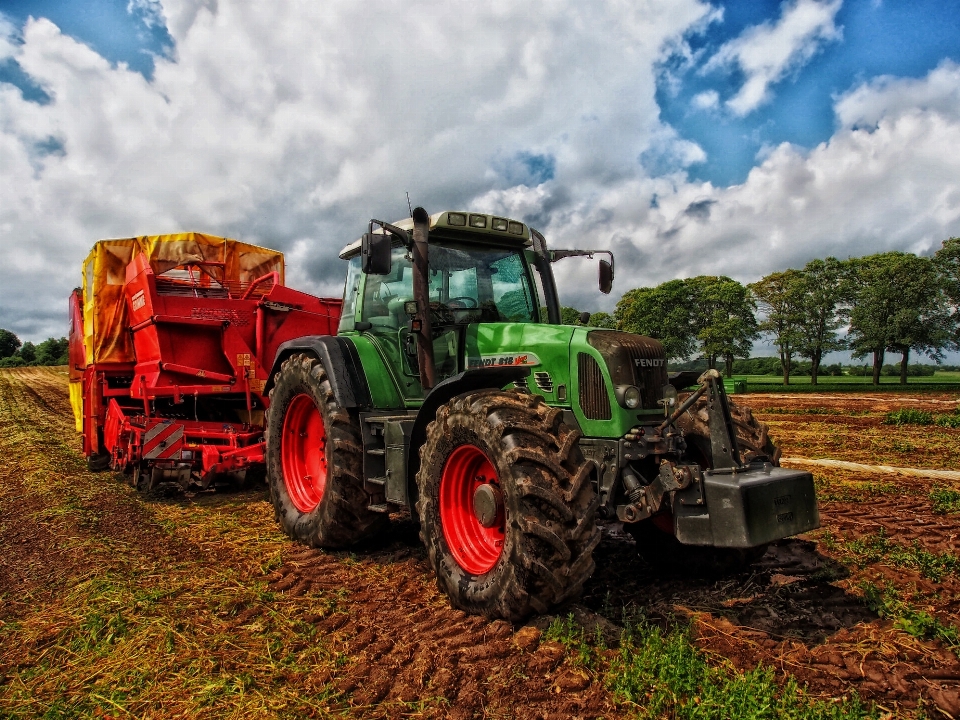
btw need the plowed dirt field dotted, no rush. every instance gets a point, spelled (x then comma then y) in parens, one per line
(197, 606)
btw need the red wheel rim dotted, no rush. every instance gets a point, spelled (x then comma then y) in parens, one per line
(303, 453)
(475, 548)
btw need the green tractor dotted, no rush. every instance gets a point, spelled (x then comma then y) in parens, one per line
(451, 390)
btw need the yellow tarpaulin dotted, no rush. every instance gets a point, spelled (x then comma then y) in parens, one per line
(76, 402)
(104, 272)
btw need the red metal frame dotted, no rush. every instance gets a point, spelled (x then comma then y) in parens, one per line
(194, 342)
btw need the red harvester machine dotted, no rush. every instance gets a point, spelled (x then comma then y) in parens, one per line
(171, 342)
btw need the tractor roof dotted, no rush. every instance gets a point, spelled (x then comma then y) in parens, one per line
(468, 226)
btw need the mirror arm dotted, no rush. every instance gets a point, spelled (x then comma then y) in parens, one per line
(561, 254)
(401, 234)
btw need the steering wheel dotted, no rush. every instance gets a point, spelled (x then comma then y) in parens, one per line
(462, 302)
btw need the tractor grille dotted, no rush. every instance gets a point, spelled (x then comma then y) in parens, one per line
(633, 360)
(594, 400)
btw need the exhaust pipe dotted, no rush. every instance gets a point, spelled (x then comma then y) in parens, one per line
(421, 294)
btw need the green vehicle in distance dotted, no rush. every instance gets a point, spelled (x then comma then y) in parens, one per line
(451, 390)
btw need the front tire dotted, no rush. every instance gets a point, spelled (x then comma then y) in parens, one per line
(314, 460)
(507, 505)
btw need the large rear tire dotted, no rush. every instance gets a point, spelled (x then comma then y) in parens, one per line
(507, 505)
(314, 460)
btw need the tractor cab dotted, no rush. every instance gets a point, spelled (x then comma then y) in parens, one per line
(480, 269)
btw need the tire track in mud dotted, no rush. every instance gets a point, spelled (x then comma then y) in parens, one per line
(877, 658)
(55, 524)
(405, 642)
(904, 520)
(399, 641)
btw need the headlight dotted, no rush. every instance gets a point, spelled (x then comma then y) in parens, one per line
(628, 396)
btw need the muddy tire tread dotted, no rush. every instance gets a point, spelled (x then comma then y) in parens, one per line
(551, 507)
(342, 518)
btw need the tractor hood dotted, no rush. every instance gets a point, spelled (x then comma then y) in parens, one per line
(583, 369)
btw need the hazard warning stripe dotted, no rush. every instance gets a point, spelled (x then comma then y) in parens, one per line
(156, 429)
(162, 441)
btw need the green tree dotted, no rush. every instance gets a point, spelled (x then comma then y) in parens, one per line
(53, 351)
(822, 292)
(569, 316)
(898, 304)
(28, 352)
(664, 312)
(9, 343)
(603, 320)
(725, 317)
(947, 262)
(779, 296)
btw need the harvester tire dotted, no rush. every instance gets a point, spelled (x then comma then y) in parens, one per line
(507, 505)
(99, 462)
(314, 460)
(661, 549)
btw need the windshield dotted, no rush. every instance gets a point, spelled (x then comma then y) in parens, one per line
(467, 284)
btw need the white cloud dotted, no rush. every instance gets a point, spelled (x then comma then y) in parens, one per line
(869, 103)
(8, 34)
(707, 100)
(149, 11)
(292, 126)
(766, 53)
(892, 185)
(280, 123)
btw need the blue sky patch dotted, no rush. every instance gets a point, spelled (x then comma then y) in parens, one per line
(119, 30)
(892, 37)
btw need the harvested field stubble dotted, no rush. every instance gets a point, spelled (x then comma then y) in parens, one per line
(197, 606)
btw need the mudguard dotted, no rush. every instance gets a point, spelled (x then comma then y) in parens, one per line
(467, 381)
(341, 363)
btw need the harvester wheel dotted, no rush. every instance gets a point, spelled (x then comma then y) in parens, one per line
(314, 460)
(99, 462)
(657, 546)
(507, 505)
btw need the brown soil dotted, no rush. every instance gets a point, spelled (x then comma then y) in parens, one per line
(377, 639)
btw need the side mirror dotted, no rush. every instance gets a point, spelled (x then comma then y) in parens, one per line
(375, 253)
(585, 317)
(606, 277)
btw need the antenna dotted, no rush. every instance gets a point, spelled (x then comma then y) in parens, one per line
(409, 206)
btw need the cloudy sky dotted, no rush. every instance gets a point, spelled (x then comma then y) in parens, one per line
(691, 137)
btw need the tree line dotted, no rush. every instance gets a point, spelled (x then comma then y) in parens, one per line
(892, 302)
(13, 353)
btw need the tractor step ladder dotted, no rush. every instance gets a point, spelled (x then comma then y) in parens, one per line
(378, 457)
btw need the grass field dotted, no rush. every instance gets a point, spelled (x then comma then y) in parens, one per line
(185, 606)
